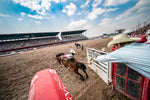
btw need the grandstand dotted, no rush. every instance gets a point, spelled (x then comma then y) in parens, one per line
(26, 36)
(10, 42)
(73, 35)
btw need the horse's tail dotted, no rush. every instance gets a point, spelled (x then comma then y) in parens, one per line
(81, 66)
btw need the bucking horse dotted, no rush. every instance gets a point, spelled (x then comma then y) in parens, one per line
(72, 64)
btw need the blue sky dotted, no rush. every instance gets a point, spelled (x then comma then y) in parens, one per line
(97, 16)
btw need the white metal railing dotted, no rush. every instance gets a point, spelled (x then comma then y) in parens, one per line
(102, 69)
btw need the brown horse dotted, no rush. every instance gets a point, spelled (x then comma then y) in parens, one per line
(72, 64)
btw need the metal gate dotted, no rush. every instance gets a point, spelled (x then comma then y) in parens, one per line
(130, 82)
(103, 69)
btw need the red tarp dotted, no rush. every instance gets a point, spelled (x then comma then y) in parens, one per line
(46, 85)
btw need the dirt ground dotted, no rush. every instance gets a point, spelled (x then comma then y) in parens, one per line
(16, 72)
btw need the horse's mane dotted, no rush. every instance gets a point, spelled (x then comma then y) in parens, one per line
(59, 54)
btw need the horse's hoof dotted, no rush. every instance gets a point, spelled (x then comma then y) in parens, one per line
(87, 77)
(82, 79)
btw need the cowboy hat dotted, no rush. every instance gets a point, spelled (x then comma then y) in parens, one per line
(127, 32)
(121, 38)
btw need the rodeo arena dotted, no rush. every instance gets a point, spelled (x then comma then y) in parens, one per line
(68, 65)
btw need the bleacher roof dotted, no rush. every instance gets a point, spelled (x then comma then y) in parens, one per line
(23, 36)
(26, 35)
(72, 32)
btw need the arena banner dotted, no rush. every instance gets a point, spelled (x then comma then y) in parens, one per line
(103, 69)
(46, 85)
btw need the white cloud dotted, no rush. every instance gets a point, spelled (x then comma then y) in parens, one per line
(142, 9)
(45, 4)
(20, 18)
(79, 13)
(4, 15)
(105, 22)
(70, 9)
(56, 1)
(35, 16)
(53, 16)
(106, 25)
(96, 3)
(111, 9)
(82, 6)
(22, 14)
(87, 26)
(86, 4)
(125, 14)
(63, 0)
(132, 21)
(36, 5)
(141, 6)
(37, 22)
(42, 12)
(115, 2)
(76, 24)
(98, 11)
(95, 12)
